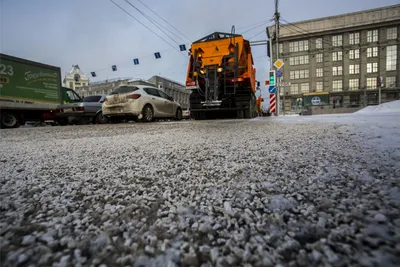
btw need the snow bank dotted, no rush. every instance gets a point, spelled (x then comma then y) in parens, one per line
(393, 106)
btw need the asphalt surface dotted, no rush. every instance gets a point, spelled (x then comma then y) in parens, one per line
(213, 193)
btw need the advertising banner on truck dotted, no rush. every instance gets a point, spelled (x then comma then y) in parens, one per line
(28, 82)
(315, 99)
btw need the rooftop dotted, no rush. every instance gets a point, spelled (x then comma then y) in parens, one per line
(339, 22)
(167, 79)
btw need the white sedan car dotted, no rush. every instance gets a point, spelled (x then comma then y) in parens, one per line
(140, 102)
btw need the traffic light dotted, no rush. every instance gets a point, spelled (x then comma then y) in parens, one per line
(272, 77)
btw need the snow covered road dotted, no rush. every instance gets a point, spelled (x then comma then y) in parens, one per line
(296, 191)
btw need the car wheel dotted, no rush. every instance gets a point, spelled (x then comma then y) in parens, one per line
(100, 118)
(148, 114)
(178, 115)
(9, 120)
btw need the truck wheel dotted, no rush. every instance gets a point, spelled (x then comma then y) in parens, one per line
(240, 114)
(251, 111)
(100, 119)
(62, 122)
(9, 120)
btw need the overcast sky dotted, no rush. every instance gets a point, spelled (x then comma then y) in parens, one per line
(96, 34)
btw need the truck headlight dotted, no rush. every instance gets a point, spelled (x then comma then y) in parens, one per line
(220, 69)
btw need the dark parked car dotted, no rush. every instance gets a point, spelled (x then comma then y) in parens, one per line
(87, 111)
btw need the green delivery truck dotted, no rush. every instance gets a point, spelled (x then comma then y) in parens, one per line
(29, 91)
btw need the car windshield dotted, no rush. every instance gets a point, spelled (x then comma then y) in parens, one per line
(124, 90)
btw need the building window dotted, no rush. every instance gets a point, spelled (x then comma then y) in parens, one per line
(320, 72)
(298, 46)
(354, 38)
(303, 60)
(372, 67)
(371, 83)
(320, 86)
(299, 74)
(337, 70)
(354, 84)
(390, 82)
(281, 48)
(337, 101)
(337, 40)
(354, 54)
(354, 69)
(305, 87)
(304, 74)
(372, 99)
(294, 89)
(372, 52)
(71, 85)
(337, 56)
(391, 33)
(299, 60)
(372, 36)
(337, 85)
(319, 58)
(318, 43)
(391, 57)
(354, 100)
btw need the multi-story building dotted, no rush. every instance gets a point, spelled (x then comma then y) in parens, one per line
(348, 56)
(101, 87)
(75, 78)
(172, 88)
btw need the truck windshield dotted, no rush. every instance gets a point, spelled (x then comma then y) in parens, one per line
(73, 97)
(124, 90)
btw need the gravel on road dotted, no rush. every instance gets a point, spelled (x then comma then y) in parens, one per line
(209, 193)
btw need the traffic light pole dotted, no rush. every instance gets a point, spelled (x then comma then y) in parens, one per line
(277, 55)
(380, 88)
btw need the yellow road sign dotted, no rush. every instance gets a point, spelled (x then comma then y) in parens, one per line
(279, 64)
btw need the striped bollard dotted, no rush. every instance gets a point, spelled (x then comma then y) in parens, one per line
(272, 103)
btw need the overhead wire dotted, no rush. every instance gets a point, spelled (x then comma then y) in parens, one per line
(188, 39)
(151, 20)
(251, 25)
(146, 27)
(258, 26)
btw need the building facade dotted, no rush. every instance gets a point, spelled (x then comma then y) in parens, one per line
(101, 87)
(349, 56)
(172, 88)
(75, 78)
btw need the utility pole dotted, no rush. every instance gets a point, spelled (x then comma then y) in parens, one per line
(277, 54)
(380, 88)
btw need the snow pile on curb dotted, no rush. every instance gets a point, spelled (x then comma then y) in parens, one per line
(391, 107)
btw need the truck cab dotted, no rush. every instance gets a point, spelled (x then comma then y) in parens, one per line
(70, 96)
